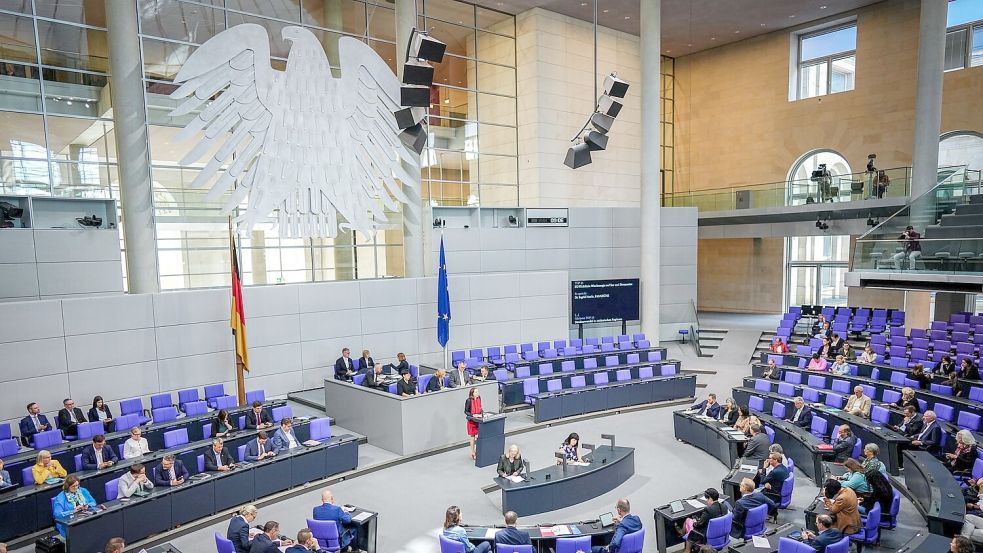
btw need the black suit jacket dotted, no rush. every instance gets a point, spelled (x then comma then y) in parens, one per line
(161, 477)
(805, 419)
(89, 456)
(757, 448)
(365, 365)
(28, 430)
(842, 449)
(211, 463)
(902, 403)
(373, 380)
(94, 413)
(913, 428)
(403, 387)
(930, 441)
(263, 544)
(512, 536)
(718, 509)
(66, 423)
(238, 534)
(341, 369)
(251, 422)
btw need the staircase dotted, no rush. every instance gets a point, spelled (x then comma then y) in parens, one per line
(709, 340)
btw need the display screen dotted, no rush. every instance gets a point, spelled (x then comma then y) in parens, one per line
(598, 301)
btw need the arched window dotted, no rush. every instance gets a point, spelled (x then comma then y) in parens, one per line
(801, 187)
(961, 148)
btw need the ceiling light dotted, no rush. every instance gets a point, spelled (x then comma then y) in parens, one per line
(762, 24)
(68, 102)
(822, 7)
(627, 17)
(606, 11)
(713, 38)
(447, 100)
(737, 32)
(87, 105)
(583, 3)
(792, 16)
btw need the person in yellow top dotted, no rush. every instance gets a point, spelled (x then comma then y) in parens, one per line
(45, 467)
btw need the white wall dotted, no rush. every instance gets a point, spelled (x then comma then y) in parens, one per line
(599, 243)
(141, 344)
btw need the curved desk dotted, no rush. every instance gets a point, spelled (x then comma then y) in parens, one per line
(712, 436)
(552, 488)
(935, 492)
(800, 445)
(615, 395)
(544, 537)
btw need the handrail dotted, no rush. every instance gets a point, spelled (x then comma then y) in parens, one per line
(919, 197)
(695, 331)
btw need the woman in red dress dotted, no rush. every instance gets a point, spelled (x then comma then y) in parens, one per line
(472, 408)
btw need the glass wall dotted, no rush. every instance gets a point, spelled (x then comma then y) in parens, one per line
(964, 34)
(815, 269)
(827, 61)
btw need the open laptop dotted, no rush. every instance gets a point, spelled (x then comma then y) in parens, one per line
(607, 519)
(676, 506)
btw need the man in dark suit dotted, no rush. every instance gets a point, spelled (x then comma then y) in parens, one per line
(375, 379)
(756, 449)
(327, 510)
(97, 456)
(749, 500)
(836, 343)
(843, 444)
(259, 449)
(931, 433)
(267, 542)
(911, 425)
(217, 458)
(344, 369)
(773, 479)
(238, 532)
(170, 472)
(827, 534)
(512, 535)
(285, 438)
(714, 509)
(801, 414)
(708, 407)
(627, 523)
(70, 417)
(33, 423)
(258, 418)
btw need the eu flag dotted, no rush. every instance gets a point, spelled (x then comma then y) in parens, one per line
(443, 301)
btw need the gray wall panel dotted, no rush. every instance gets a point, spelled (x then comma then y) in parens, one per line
(20, 281)
(32, 358)
(106, 349)
(106, 314)
(17, 246)
(79, 277)
(31, 320)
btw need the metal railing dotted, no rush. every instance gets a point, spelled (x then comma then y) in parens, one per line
(836, 188)
(947, 241)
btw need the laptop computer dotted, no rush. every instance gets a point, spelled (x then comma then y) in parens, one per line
(676, 506)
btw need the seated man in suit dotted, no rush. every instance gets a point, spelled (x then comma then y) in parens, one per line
(97, 456)
(511, 535)
(627, 523)
(460, 376)
(33, 423)
(931, 433)
(375, 379)
(911, 425)
(217, 458)
(708, 407)
(843, 444)
(258, 418)
(258, 449)
(401, 366)
(170, 472)
(714, 509)
(802, 414)
(238, 532)
(268, 541)
(327, 510)
(827, 534)
(344, 369)
(285, 439)
(305, 542)
(749, 500)
(406, 387)
(756, 449)
(836, 343)
(773, 478)
(69, 417)
(858, 404)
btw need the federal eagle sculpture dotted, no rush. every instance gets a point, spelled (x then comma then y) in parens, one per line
(298, 142)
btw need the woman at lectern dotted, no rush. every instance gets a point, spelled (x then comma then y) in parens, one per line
(570, 448)
(472, 408)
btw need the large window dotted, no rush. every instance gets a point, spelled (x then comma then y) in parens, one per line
(964, 37)
(827, 61)
(815, 270)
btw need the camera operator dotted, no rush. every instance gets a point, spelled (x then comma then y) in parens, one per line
(824, 180)
(912, 248)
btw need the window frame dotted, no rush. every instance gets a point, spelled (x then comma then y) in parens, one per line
(968, 28)
(827, 60)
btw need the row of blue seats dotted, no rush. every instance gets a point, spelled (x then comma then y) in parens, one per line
(530, 386)
(529, 351)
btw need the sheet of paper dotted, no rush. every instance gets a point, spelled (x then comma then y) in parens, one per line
(490, 533)
(364, 515)
(748, 468)
(696, 503)
(760, 541)
(561, 530)
(515, 478)
(312, 443)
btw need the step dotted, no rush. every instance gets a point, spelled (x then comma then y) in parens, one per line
(968, 231)
(970, 209)
(962, 219)
(976, 199)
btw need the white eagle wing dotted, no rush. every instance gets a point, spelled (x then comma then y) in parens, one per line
(234, 64)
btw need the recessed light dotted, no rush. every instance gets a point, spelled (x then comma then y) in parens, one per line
(447, 100)
(822, 7)
(689, 45)
(762, 24)
(69, 102)
(792, 16)
(627, 17)
(583, 3)
(606, 11)
(737, 32)
(713, 38)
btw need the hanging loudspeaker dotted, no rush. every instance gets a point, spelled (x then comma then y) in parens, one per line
(578, 155)
(613, 86)
(407, 117)
(414, 137)
(418, 73)
(414, 96)
(609, 106)
(428, 48)
(601, 122)
(596, 141)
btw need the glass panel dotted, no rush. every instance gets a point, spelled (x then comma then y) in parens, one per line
(340, 15)
(801, 285)
(386, 51)
(23, 156)
(832, 289)
(73, 47)
(496, 109)
(176, 20)
(496, 79)
(450, 10)
(451, 102)
(17, 39)
(287, 10)
(497, 22)
(976, 54)
(88, 12)
(495, 139)
(446, 165)
(828, 43)
(460, 40)
(274, 29)
(22, 6)
(20, 87)
(382, 23)
(81, 141)
(455, 71)
(162, 60)
(844, 72)
(812, 80)
(963, 11)
(955, 49)
(78, 94)
(496, 48)
(819, 248)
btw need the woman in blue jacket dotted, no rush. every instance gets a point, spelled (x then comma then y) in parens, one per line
(73, 499)
(453, 531)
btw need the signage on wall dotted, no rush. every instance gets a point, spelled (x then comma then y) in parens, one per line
(547, 217)
(599, 301)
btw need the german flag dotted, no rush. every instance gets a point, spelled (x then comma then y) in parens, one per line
(238, 320)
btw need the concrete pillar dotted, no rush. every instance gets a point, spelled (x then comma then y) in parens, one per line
(917, 307)
(928, 104)
(948, 303)
(132, 148)
(413, 209)
(651, 185)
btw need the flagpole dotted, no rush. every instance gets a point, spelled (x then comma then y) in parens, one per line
(240, 376)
